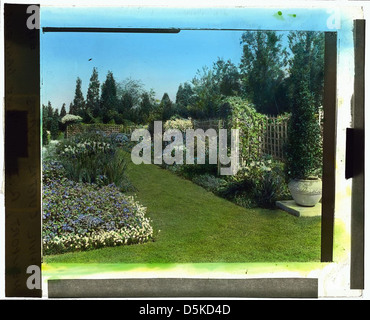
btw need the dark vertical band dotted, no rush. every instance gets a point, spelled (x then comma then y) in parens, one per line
(22, 154)
(329, 147)
(357, 218)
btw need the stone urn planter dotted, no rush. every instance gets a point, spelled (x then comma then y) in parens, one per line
(307, 192)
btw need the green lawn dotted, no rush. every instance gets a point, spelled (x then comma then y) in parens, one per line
(192, 225)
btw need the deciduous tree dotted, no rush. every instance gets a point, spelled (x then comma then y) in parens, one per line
(263, 67)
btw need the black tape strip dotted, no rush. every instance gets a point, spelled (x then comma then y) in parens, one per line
(16, 139)
(349, 153)
(110, 30)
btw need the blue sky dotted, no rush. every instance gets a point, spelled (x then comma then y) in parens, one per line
(160, 61)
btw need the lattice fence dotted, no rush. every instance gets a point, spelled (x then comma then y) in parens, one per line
(74, 129)
(272, 137)
(209, 124)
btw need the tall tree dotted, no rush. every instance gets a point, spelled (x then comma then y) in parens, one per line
(207, 93)
(167, 107)
(63, 111)
(93, 96)
(126, 105)
(307, 56)
(108, 99)
(184, 97)
(146, 106)
(54, 125)
(263, 65)
(72, 109)
(45, 129)
(79, 101)
(304, 145)
(227, 77)
(49, 111)
(130, 91)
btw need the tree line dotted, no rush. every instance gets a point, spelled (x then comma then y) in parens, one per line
(266, 75)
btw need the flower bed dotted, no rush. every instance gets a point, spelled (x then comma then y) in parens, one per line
(81, 216)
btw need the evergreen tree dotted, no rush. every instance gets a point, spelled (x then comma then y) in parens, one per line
(54, 125)
(50, 122)
(63, 111)
(45, 140)
(126, 106)
(304, 146)
(108, 99)
(166, 107)
(50, 112)
(146, 107)
(56, 114)
(79, 101)
(184, 98)
(92, 97)
(72, 109)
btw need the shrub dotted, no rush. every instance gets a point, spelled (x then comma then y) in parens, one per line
(178, 123)
(119, 138)
(82, 216)
(261, 183)
(190, 171)
(49, 151)
(270, 187)
(209, 182)
(238, 189)
(71, 118)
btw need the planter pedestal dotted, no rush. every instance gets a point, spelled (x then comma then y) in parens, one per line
(291, 207)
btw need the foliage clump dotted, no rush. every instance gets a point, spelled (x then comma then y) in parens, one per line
(250, 124)
(93, 158)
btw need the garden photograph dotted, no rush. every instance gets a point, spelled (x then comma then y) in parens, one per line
(101, 90)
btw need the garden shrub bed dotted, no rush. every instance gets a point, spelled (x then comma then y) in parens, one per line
(94, 158)
(259, 184)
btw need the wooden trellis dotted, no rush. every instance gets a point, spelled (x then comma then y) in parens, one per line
(274, 136)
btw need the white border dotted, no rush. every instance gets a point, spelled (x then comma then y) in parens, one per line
(173, 4)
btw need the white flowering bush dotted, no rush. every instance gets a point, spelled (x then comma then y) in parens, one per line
(83, 216)
(70, 118)
(85, 148)
(179, 123)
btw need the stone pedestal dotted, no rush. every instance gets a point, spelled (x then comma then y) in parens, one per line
(291, 207)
